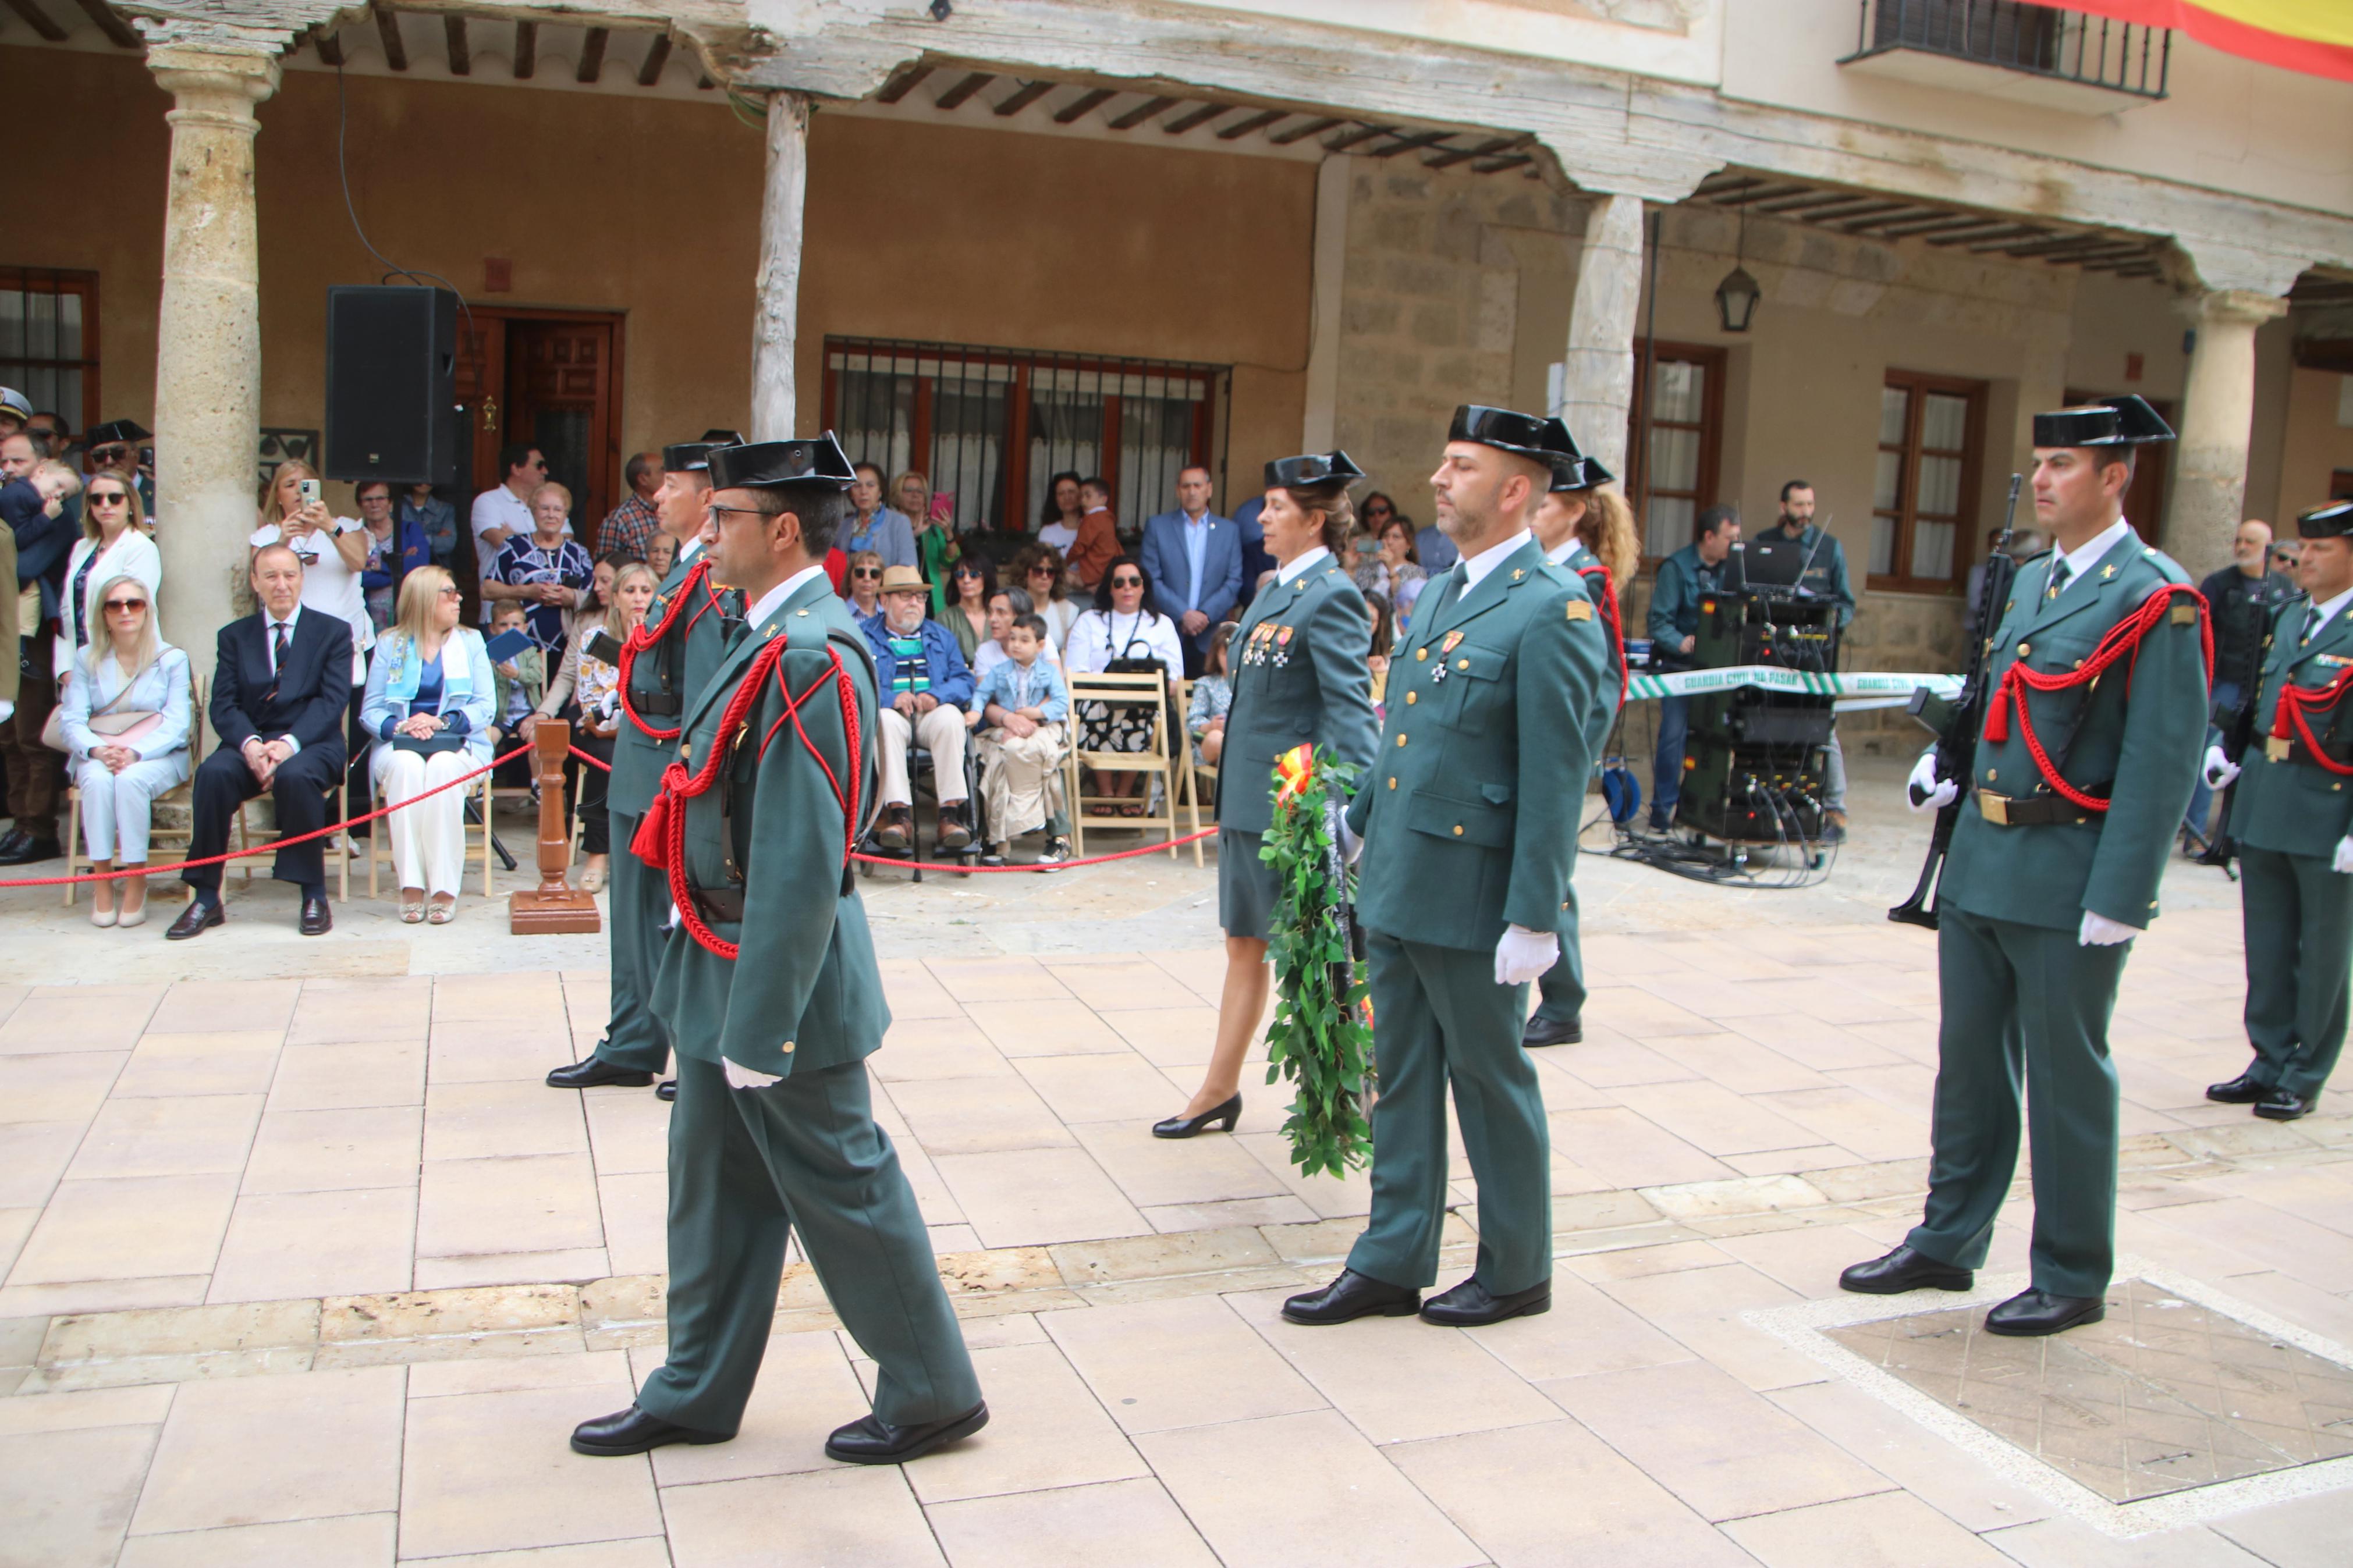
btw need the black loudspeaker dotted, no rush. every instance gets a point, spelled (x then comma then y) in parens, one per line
(392, 360)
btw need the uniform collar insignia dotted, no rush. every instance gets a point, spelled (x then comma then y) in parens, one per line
(2108, 571)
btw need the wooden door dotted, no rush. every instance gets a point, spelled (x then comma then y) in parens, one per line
(560, 387)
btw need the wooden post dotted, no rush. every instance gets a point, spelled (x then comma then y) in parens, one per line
(554, 907)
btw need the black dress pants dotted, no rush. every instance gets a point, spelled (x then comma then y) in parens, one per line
(223, 783)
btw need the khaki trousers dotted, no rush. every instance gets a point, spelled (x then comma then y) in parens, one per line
(941, 732)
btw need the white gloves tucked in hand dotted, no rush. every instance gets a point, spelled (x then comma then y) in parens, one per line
(1350, 845)
(2343, 861)
(2220, 769)
(2098, 930)
(1925, 791)
(741, 1077)
(1524, 955)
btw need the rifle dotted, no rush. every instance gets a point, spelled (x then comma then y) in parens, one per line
(2238, 734)
(1956, 737)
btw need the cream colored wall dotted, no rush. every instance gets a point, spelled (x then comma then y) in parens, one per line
(2315, 444)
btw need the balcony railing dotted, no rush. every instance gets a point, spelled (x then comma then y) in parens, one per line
(2042, 40)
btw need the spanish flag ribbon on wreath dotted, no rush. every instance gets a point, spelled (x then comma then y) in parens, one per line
(1322, 1037)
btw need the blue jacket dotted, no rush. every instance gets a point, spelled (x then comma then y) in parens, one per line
(1437, 551)
(1256, 562)
(1171, 574)
(1046, 692)
(950, 677)
(468, 708)
(415, 550)
(439, 518)
(891, 536)
(43, 542)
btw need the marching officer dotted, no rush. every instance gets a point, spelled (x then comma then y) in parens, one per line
(1465, 882)
(2079, 785)
(669, 660)
(2291, 815)
(768, 988)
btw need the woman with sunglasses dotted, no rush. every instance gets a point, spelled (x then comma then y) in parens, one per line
(1039, 570)
(972, 582)
(865, 594)
(114, 543)
(431, 698)
(125, 720)
(936, 549)
(1121, 628)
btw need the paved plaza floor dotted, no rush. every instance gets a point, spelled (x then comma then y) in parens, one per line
(301, 1263)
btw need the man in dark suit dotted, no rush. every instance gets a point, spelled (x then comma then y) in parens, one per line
(1193, 559)
(282, 680)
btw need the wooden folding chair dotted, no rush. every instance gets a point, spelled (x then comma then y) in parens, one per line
(180, 836)
(380, 842)
(1196, 771)
(1148, 691)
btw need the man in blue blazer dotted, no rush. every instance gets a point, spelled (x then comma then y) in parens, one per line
(1193, 559)
(281, 683)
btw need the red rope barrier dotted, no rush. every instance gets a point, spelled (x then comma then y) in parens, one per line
(592, 762)
(1058, 866)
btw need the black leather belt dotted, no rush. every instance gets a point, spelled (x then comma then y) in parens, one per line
(663, 704)
(2033, 811)
(720, 904)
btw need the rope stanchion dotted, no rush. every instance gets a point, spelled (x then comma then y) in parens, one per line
(580, 755)
(275, 845)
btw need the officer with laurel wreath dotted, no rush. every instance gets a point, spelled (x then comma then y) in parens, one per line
(768, 987)
(2089, 750)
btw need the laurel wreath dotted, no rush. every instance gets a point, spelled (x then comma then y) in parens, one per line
(1321, 1038)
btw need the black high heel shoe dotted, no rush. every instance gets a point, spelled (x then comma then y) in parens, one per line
(1225, 1115)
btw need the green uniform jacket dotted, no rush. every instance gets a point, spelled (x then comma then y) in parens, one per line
(803, 993)
(1826, 574)
(678, 666)
(1298, 666)
(1461, 814)
(2298, 807)
(2139, 743)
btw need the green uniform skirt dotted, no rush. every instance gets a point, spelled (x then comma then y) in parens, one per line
(1247, 889)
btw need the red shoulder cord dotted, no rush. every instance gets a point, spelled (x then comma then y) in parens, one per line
(660, 842)
(2123, 639)
(1610, 617)
(646, 635)
(2290, 722)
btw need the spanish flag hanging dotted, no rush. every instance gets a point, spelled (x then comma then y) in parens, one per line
(2315, 36)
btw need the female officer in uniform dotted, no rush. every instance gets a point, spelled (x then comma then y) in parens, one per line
(1297, 662)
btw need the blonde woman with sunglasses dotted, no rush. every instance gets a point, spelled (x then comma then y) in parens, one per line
(114, 543)
(124, 717)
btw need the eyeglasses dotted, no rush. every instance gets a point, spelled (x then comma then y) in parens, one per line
(449, 591)
(109, 498)
(746, 511)
(1128, 582)
(862, 573)
(126, 603)
(1041, 570)
(108, 454)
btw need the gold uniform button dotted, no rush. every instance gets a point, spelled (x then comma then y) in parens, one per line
(1458, 830)
(1400, 740)
(787, 1048)
(2024, 648)
(1992, 775)
(1393, 781)
(1411, 697)
(1461, 664)
(1422, 653)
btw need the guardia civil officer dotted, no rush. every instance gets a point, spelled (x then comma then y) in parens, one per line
(1299, 664)
(2052, 870)
(768, 987)
(2291, 815)
(1466, 861)
(1576, 514)
(673, 656)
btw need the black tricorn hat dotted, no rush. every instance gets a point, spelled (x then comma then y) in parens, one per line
(2334, 521)
(1522, 435)
(127, 431)
(1571, 468)
(689, 456)
(2127, 421)
(763, 463)
(723, 437)
(1313, 469)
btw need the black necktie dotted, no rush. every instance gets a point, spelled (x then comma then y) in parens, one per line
(2060, 573)
(277, 637)
(2312, 619)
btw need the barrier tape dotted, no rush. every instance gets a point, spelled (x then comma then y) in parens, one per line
(1856, 690)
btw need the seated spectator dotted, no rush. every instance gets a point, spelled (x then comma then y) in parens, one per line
(924, 685)
(874, 526)
(1003, 605)
(1098, 540)
(430, 699)
(1057, 520)
(1384, 637)
(1040, 570)
(546, 573)
(1213, 698)
(386, 560)
(936, 549)
(973, 583)
(282, 696)
(594, 685)
(1024, 705)
(632, 525)
(436, 519)
(865, 593)
(334, 550)
(662, 554)
(114, 543)
(1122, 631)
(521, 682)
(125, 718)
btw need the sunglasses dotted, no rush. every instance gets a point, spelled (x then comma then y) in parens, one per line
(126, 603)
(108, 454)
(1128, 582)
(109, 498)
(862, 573)
(448, 593)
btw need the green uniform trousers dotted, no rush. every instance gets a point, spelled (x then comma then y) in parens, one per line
(634, 1038)
(2298, 917)
(2024, 1006)
(747, 1166)
(1561, 988)
(1440, 1017)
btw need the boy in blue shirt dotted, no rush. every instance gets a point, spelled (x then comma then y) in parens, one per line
(1023, 706)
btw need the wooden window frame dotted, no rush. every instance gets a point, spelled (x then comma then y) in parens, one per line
(1967, 545)
(68, 281)
(1712, 361)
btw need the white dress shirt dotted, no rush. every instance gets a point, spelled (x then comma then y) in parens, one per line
(1196, 547)
(2320, 615)
(2082, 559)
(1475, 567)
(780, 593)
(270, 624)
(1299, 563)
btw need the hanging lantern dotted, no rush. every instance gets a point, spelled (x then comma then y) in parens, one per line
(1736, 299)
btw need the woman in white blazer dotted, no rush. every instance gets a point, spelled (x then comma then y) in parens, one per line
(114, 543)
(124, 717)
(431, 699)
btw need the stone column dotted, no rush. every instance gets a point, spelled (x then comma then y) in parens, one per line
(2217, 406)
(1598, 377)
(208, 336)
(775, 319)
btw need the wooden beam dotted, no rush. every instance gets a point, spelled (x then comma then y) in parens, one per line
(1192, 117)
(902, 83)
(1983, 240)
(1086, 103)
(387, 32)
(1486, 148)
(1150, 109)
(526, 50)
(1029, 93)
(956, 95)
(1778, 206)
(330, 48)
(38, 20)
(703, 83)
(656, 56)
(592, 56)
(1258, 122)
(1897, 213)
(1405, 143)
(1946, 223)
(1347, 140)
(1496, 165)
(119, 32)
(1302, 132)
(461, 55)
(1759, 193)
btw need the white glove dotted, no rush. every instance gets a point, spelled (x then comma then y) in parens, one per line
(2220, 769)
(1925, 792)
(8, 710)
(2098, 930)
(1350, 845)
(741, 1077)
(1524, 955)
(2343, 861)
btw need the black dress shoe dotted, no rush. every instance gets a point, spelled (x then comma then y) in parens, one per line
(1468, 1305)
(2032, 1312)
(1225, 1115)
(29, 849)
(870, 1440)
(1904, 1269)
(1544, 1031)
(2241, 1091)
(195, 919)
(317, 920)
(2279, 1105)
(665, 1090)
(1350, 1297)
(595, 1072)
(632, 1431)
(16, 838)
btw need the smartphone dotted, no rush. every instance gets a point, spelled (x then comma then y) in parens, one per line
(310, 488)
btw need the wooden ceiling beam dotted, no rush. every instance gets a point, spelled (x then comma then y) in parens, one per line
(1258, 122)
(1995, 238)
(1486, 148)
(38, 20)
(972, 82)
(526, 50)
(592, 56)
(387, 32)
(1193, 117)
(119, 32)
(330, 48)
(656, 55)
(1086, 103)
(904, 83)
(1023, 97)
(1150, 109)
(1302, 132)
(1348, 138)
(461, 54)
(1407, 143)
